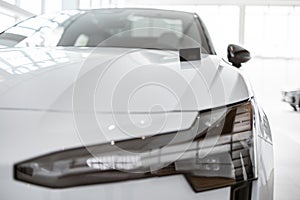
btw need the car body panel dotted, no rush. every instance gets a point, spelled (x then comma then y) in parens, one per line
(59, 98)
(174, 187)
(37, 116)
(45, 79)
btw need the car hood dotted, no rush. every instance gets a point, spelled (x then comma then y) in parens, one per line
(57, 98)
(115, 80)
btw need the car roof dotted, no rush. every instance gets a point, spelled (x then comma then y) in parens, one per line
(149, 10)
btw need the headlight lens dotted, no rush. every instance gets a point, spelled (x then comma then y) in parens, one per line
(217, 151)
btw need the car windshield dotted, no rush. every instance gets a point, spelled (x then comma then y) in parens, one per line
(127, 28)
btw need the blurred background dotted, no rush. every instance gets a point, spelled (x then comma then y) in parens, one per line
(270, 29)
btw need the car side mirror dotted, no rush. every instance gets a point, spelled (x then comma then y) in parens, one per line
(237, 55)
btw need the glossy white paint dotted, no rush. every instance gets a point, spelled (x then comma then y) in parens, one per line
(41, 81)
(44, 78)
(39, 102)
(263, 188)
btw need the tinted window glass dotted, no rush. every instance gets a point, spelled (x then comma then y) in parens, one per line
(128, 28)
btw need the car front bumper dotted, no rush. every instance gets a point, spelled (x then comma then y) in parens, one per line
(173, 187)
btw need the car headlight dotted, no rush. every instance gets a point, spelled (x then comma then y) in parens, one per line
(217, 151)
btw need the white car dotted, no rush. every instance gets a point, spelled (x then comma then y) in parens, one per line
(292, 97)
(127, 104)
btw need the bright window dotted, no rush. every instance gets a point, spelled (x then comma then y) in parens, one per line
(6, 22)
(10, 1)
(84, 4)
(222, 23)
(52, 6)
(33, 6)
(273, 31)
